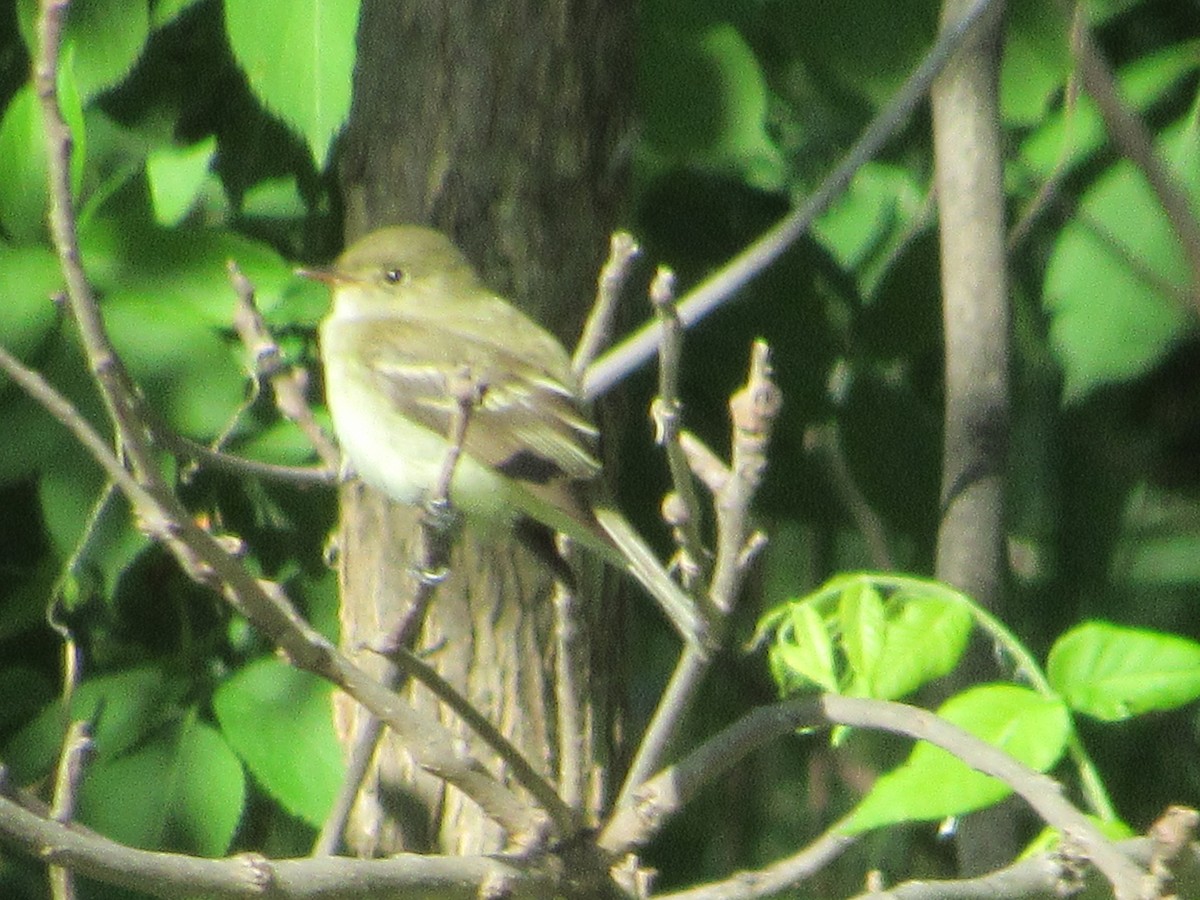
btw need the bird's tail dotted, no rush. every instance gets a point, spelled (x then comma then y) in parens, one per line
(639, 560)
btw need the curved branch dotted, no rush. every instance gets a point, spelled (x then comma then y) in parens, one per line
(666, 793)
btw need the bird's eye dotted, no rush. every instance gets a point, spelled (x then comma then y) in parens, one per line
(393, 276)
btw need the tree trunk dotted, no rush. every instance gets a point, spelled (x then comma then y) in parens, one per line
(501, 124)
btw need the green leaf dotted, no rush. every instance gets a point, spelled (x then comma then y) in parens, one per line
(1050, 839)
(22, 167)
(802, 651)
(69, 490)
(23, 171)
(298, 56)
(182, 266)
(182, 789)
(867, 48)
(705, 98)
(870, 217)
(1035, 63)
(176, 175)
(31, 278)
(1116, 277)
(164, 12)
(932, 784)
(187, 369)
(924, 640)
(169, 306)
(38, 439)
(275, 198)
(861, 615)
(1114, 673)
(209, 791)
(106, 36)
(1073, 136)
(125, 707)
(280, 722)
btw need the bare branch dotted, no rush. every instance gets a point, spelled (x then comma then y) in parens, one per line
(666, 411)
(287, 382)
(120, 396)
(429, 570)
(240, 465)
(667, 792)
(786, 874)
(753, 410)
(571, 671)
(208, 562)
(172, 875)
(76, 748)
(597, 331)
(566, 819)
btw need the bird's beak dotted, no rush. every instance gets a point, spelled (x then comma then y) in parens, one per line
(326, 276)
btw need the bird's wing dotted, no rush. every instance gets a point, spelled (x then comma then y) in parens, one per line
(527, 423)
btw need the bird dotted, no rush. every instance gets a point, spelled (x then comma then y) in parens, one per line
(410, 320)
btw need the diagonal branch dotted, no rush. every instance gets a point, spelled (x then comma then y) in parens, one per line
(1131, 136)
(722, 285)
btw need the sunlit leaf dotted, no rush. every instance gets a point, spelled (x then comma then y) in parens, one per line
(861, 615)
(280, 722)
(1113, 673)
(1116, 282)
(176, 175)
(23, 170)
(925, 638)
(803, 651)
(183, 788)
(299, 60)
(932, 784)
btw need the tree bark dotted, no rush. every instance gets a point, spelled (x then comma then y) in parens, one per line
(501, 124)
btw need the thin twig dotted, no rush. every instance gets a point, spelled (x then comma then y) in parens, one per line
(172, 875)
(665, 794)
(778, 878)
(1128, 132)
(666, 412)
(722, 285)
(287, 382)
(704, 463)
(672, 706)
(571, 671)
(597, 331)
(75, 750)
(753, 410)
(119, 394)
(824, 440)
(429, 569)
(567, 820)
(1042, 793)
(240, 465)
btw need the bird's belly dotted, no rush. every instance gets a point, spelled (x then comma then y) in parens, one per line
(404, 460)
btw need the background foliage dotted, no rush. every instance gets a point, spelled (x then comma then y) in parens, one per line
(206, 131)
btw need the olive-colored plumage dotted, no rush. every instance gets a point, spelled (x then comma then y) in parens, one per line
(410, 316)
